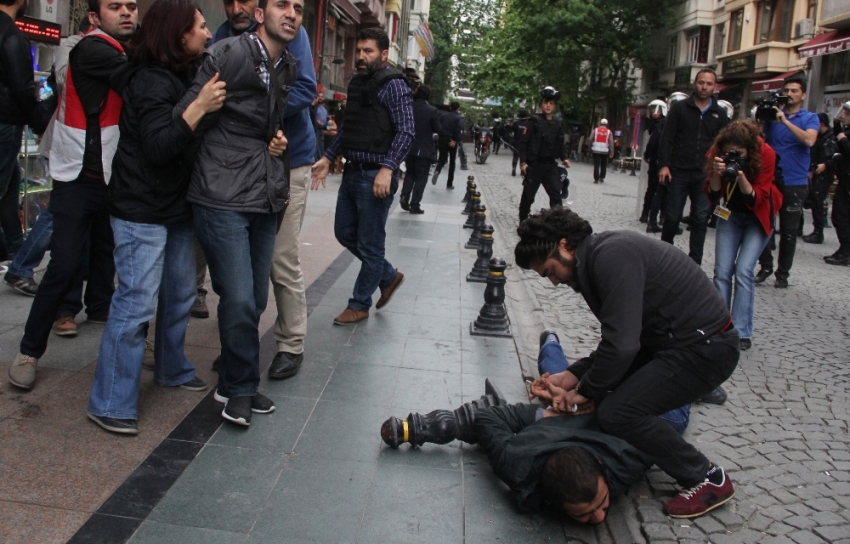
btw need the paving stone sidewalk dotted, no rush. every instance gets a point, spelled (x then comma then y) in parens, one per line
(783, 433)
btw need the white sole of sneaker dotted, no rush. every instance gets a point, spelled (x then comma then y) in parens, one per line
(65, 334)
(222, 399)
(236, 420)
(706, 511)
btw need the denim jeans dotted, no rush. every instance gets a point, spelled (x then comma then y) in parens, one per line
(360, 226)
(10, 183)
(156, 272)
(740, 241)
(551, 359)
(687, 183)
(239, 248)
(34, 247)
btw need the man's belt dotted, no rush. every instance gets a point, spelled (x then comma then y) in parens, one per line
(364, 166)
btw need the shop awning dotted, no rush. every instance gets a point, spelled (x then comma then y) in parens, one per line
(720, 87)
(774, 83)
(826, 44)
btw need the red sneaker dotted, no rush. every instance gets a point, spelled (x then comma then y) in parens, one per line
(699, 500)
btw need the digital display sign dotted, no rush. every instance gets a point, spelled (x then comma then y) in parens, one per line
(40, 31)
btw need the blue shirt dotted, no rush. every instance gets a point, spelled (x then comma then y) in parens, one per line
(793, 154)
(297, 125)
(226, 31)
(321, 117)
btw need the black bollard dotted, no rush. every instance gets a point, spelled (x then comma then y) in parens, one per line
(476, 200)
(440, 426)
(493, 318)
(623, 166)
(468, 208)
(634, 161)
(480, 219)
(470, 181)
(481, 268)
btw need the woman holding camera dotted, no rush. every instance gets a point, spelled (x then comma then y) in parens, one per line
(741, 170)
(151, 220)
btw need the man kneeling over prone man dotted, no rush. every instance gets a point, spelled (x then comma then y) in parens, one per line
(667, 340)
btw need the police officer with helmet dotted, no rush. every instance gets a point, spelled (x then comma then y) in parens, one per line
(539, 150)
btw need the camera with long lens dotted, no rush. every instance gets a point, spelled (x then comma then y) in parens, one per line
(764, 107)
(735, 162)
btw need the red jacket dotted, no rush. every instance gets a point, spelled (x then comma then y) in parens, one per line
(768, 196)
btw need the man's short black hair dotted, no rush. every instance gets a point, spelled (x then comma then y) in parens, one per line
(570, 476)
(84, 25)
(706, 71)
(454, 106)
(423, 92)
(795, 79)
(94, 5)
(824, 119)
(376, 34)
(539, 235)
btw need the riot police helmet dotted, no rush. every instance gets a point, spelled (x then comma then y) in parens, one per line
(658, 106)
(549, 93)
(730, 109)
(843, 114)
(676, 97)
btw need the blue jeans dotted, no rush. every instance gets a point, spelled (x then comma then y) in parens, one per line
(687, 183)
(239, 248)
(740, 241)
(360, 226)
(10, 183)
(551, 359)
(34, 247)
(154, 263)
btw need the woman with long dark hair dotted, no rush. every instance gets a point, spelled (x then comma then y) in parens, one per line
(151, 220)
(741, 170)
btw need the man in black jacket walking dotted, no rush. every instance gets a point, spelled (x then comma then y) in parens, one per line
(450, 134)
(239, 188)
(656, 353)
(17, 94)
(652, 200)
(822, 174)
(423, 152)
(841, 202)
(689, 131)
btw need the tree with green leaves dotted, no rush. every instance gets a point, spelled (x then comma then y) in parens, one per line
(587, 49)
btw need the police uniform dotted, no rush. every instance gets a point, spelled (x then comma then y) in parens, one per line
(542, 144)
(517, 134)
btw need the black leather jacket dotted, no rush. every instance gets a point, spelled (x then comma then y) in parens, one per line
(17, 83)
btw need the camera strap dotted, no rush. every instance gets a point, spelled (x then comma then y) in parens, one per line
(730, 188)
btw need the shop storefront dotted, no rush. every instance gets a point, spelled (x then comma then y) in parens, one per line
(829, 77)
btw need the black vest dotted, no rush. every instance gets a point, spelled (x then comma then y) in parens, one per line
(547, 141)
(368, 126)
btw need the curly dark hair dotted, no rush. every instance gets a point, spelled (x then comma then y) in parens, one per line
(743, 134)
(539, 235)
(570, 476)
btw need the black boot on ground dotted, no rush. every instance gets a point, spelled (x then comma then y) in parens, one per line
(762, 275)
(644, 216)
(653, 227)
(816, 237)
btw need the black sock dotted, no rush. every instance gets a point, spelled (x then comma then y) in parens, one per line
(715, 475)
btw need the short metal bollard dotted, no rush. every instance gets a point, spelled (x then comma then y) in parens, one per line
(476, 200)
(472, 190)
(493, 318)
(481, 268)
(470, 181)
(480, 219)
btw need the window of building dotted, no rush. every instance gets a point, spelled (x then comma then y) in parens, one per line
(719, 39)
(673, 52)
(812, 10)
(773, 21)
(836, 69)
(697, 40)
(736, 27)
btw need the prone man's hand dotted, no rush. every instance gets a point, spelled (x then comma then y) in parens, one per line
(381, 186)
(320, 172)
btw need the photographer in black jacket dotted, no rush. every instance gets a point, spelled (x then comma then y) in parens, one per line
(17, 96)
(655, 354)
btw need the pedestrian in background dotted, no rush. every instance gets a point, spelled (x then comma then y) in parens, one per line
(841, 201)
(822, 174)
(602, 147)
(451, 132)
(423, 151)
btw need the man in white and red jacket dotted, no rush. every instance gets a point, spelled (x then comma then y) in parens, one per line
(85, 138)
(602, 147)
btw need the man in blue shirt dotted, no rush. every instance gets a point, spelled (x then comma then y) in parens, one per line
(240, 18)
(792, 135)
(321, 125)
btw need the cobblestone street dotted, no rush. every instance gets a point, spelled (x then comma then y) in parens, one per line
(783, 433)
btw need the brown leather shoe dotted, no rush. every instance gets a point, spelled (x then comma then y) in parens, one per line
(387, 294)
(65, 326)
(351, 316)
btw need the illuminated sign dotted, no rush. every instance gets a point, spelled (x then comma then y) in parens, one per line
(39, 31)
